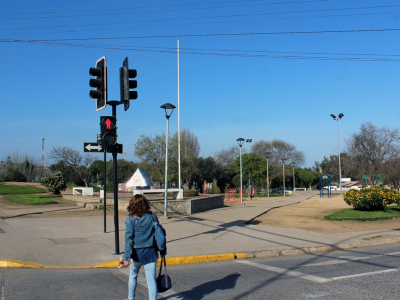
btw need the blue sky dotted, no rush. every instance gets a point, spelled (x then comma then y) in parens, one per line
(263, 86)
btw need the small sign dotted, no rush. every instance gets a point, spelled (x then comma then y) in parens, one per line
(96, 147)
(92, 147)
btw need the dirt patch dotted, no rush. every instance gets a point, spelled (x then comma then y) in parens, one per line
(309, 215)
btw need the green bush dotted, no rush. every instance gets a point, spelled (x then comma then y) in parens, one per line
(12, 175)
(371, 198)
(54, 183)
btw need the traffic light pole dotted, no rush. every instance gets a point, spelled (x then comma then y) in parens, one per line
(105, 190)
(114, 105)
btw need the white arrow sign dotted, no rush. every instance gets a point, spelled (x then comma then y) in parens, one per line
(91, 147)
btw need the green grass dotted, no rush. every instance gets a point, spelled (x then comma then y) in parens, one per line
(33, 199)
(19, 189)
(358, 215)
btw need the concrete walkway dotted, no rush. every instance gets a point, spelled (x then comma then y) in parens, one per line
(80, 241)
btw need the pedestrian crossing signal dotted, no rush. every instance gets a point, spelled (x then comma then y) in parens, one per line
(108, 129)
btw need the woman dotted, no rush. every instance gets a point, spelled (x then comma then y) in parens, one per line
(140, 247)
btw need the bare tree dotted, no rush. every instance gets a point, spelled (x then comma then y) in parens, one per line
(72, 158)
(227, 156)
(278, 149)
(372, 147)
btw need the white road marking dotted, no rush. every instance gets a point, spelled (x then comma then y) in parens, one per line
(364, 274)
(312, 277)
(340, 260)
(347, 259)
(284, 271)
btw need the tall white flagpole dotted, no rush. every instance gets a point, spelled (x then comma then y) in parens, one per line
(179, 129)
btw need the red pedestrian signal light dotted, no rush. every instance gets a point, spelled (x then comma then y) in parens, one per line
(108, 129)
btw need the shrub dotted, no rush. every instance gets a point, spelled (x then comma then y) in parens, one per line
(54, 183)
(371, 198)
(12, 175)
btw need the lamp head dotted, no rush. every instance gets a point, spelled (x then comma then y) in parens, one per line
(240, 141)
(333, 116)
(169, 108)
(340, 116)
(267, 154)
(248, 140)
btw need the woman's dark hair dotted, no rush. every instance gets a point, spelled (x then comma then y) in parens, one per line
(138, 205)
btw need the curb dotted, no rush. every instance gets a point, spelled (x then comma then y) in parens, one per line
(214, 257)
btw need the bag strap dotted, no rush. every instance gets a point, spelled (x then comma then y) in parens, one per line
(162, 257)
(166, 275)
(133, 220)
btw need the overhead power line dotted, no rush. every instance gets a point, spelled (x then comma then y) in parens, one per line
(198, 23)
(203, 17)
(250, 54)
(153, 11)
(207, 35)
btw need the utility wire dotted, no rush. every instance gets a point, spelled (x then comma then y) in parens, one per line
(156, 6)
(292, 57)
(156, 11)
(210, 35)
(208, 17)
(198, 23)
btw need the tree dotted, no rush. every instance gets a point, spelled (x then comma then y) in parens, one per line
(12, 175)
(278, 149)
(190, 150)
(151, 153)
(72, 158)
(305, 178)
(253, 167)
(29, 167)
(125, 170)
(228, 156)
(372, 147)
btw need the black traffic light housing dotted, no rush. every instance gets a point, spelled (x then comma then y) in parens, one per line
(125, 84)
(108, 129)
(100, 83)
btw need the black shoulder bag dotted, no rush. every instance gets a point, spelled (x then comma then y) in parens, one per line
(163, 281)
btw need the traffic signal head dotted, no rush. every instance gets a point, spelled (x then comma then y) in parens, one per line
(100, 83)
(108, 129)
(126, 85)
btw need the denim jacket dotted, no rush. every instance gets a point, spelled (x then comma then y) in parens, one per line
(139, 233)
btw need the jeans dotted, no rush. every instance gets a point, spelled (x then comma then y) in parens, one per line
(150, 270)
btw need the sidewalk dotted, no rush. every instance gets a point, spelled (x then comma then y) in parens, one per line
(80, 241)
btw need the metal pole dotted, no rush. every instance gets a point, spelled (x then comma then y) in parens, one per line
(241, 181)
(267, 180)
(116, 223)
(179, 128)
(283, 178)
(294, 182)
(105, 190)
(340, 173)
(166, 170)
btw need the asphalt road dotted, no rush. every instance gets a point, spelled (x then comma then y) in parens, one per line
(365, 273)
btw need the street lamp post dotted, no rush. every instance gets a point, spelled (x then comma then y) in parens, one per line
(283, 164)
(240, 142)
(337, 122)
(294, 182)
(169, 108)
(267, 154)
